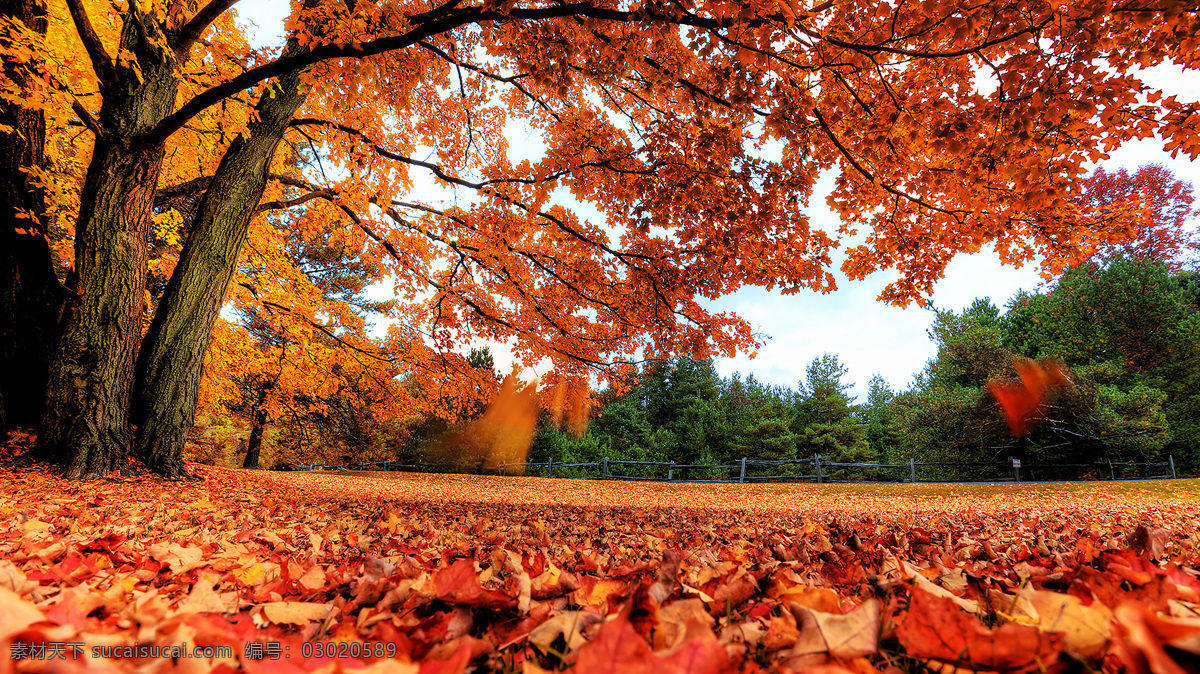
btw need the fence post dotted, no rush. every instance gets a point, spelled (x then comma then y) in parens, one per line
(605, 474)
(817, 462)
(550, 468)
(912, 470)
(1171, 458)
(671, 471)
(1112, 474)
(742, 477)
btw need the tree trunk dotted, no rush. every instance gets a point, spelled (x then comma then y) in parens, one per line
(171, 361)
(259, 422)
(85, 427)
(30, 293)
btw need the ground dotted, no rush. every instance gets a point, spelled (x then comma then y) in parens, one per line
(452, 573)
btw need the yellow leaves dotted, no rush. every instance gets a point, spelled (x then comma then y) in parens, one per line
(1086, 629)
(257, 573)
(788, 587)
(294, 612)
(596, 592)
(843, 636)
(392, 525)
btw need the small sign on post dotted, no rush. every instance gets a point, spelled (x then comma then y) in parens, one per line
(1017, 469)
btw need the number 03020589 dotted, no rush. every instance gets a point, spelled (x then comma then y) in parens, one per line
(348, 649)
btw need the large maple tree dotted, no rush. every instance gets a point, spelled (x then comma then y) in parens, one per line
(696, 130)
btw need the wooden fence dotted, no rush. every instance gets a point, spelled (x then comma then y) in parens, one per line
(814, 470)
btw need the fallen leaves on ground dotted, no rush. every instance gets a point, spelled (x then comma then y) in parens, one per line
(449, 574)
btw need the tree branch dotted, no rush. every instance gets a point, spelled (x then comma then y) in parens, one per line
(101, 61)
(483, 187)
(195, 27)
(435, 22)
(87, 119)
(289, 203)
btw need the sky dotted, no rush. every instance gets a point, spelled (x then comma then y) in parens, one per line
(872, 337)
(868, 336)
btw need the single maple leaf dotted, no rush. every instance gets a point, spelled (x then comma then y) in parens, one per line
(843, 636)
(681, 621)
(295, 612)
(937, 629)
(570, 626)
(1085, 628)
(619, 648)
(459, 584)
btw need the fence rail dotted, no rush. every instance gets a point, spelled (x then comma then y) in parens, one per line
(742, 471)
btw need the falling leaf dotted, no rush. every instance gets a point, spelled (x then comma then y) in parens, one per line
(1022, 403)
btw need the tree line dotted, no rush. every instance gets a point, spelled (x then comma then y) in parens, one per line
(1127, 330)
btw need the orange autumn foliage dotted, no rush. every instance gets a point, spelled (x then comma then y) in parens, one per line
(568, 400)
(1024, 403)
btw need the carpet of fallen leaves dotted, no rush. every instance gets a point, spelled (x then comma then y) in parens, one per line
(451, 573)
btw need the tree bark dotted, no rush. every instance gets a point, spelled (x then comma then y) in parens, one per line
(171, 361)
(257, 426)
(85, 427)
(30, 293)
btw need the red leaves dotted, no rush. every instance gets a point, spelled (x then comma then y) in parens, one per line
(1023, 403)
(938, 629)
(1152, 203)
(965, 580)
(619, 648)
(459, 584)
(1147, 635)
